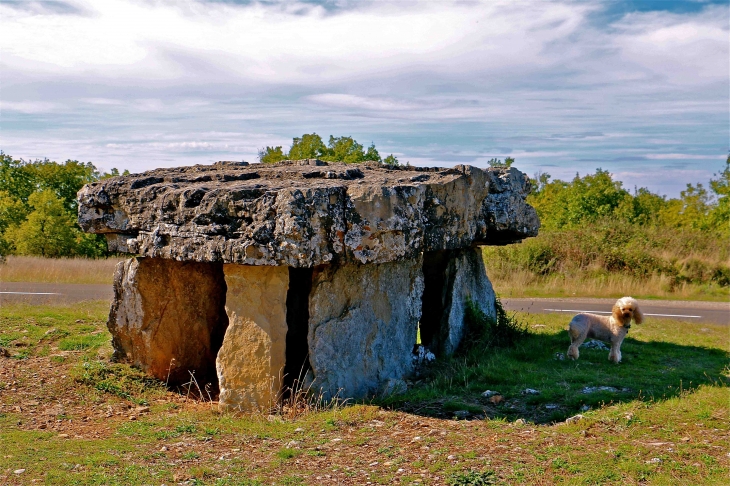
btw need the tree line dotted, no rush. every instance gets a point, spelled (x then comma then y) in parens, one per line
(592, 227)
(38, 208)
(593, 197)
(338, 149)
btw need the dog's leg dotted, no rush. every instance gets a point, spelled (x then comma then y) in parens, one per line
(573, 352)
(615, 354)
(575, 342)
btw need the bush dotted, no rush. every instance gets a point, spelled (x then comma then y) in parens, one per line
(482, 331)
(472, 478)
(602, 248)
(338, 149)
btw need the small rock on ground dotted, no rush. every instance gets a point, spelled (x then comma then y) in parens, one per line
(593, 344)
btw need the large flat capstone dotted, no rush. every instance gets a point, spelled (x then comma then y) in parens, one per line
(307, 213)
(263, 278)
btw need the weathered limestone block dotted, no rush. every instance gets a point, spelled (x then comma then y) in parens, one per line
(167, 317)
(307, 213)
(251, 360)
(453, 278)
(362, 325)
(508, 216)
(384, 224)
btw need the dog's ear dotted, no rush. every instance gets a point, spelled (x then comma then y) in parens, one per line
(638, 316)
(616, 311)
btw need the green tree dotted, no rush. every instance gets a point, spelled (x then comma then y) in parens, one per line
(308, 146)
(498, 162)
(585, 199)
(338, 149)
(21, 179)
(344, 149)
(270, 155)
(49, 229)
(719, 216)
(113, 173)
(643, 208)
(373, 155)
(16, 178)
(539, 182)
(690, 210)
(12, 213)
(391, 160)
(65, 179)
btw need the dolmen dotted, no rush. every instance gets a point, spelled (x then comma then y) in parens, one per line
(258, 278)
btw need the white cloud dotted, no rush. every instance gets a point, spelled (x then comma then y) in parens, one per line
(684, 157)
(265, 43)
(340, 100)
(28, 106)
(167, 83)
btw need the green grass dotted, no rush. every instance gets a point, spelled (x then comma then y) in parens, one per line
(669, 427)
(661, 359)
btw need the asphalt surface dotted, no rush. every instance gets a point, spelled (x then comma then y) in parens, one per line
(689, 311)
(684, 310)
(49, 293)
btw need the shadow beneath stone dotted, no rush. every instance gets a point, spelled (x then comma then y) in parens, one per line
(531, 382)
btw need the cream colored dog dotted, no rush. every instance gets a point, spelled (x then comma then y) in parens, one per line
(610, 329)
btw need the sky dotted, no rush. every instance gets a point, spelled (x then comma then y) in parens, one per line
(638, 88)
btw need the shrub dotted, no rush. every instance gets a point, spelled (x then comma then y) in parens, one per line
(472, 478)
(482, 331)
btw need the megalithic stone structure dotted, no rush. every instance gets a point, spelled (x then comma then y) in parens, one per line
(264, 275)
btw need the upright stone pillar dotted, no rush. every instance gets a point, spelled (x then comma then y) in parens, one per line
(363, 321)
(250, 362)
(167, 317)
(453, 278)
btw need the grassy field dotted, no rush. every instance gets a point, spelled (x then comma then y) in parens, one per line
(508, 280)
(523, 283)
(70, 416)
(609, 260)
(58, 270)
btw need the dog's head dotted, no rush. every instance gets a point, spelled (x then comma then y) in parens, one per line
(625, 309)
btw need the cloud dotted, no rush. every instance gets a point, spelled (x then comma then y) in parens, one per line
(684, 157)
(340, 100)
(561, 84)
(28, 106)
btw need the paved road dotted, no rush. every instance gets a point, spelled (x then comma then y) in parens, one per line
(690, 311)
(42, 293)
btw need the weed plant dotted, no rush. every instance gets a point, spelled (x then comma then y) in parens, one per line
(483, 332)
(472, 478)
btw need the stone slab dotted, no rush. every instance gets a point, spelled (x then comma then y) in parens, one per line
(251, 361)
(470, 285)
(303, 214)
(362, 326)
(453, 278)
(167, 317)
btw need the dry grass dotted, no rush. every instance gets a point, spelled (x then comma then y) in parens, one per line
(58, 270)
(523, 283)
